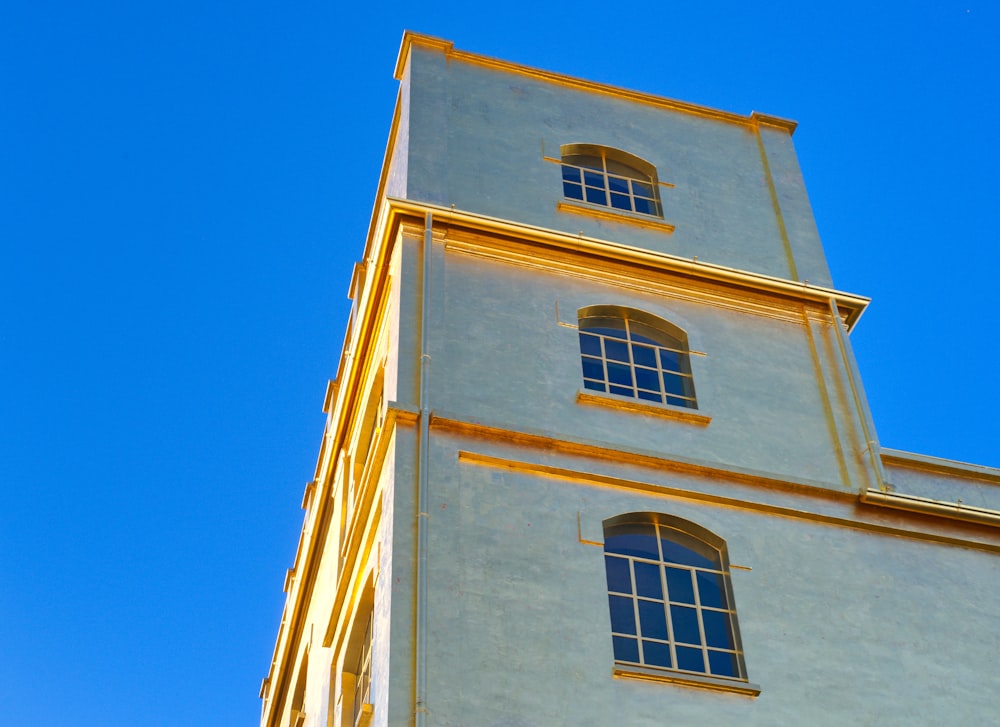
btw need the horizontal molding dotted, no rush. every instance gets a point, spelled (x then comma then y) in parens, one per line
(938, 465)
(590, 478)
(718, 684)
(667, 411)
(448, 49)
(530, 244)
(577, 446)
(929, 506)
(610, 214)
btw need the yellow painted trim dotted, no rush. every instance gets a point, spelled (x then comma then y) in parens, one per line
(644, 458)
(775, 122)
(939, 465)
(776, 205)
(612, 215)
(667, 411)
(852, 305)
(360, 531)
(358, 359)
(715, 684)
(590, 478)
(929, 506)
(448, 48)
(829, 413)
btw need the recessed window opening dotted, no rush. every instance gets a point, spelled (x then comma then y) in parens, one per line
(611, 178)
(363, 672)
(629, 353)
(670, 598)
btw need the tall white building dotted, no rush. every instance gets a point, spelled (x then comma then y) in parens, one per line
(597, 451)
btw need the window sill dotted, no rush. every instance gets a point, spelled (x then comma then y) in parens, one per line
(614, 215)
(366, 715)
(700, 681)
(679, 413)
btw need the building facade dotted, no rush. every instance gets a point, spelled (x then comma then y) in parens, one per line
(597, 451)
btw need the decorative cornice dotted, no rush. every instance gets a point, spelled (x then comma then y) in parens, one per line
(394, 209)
(941, 466)
(446, 47)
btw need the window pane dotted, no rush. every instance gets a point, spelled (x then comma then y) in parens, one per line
(626, 649)
(594, 386)
(717, 631)
(700, 553)
(573, 191)
(632, 541)
(723, 663)
(593, 368)
(586, 161)
(614, 327)
(685, 623)
(624, 170)
(644, 206)
(674, 384)
(676, 553)
(650, 396)
(641, 189)
(593, 179)
(670, 360)
(597, 196)
(656, 654)
(618, 184)
(621, 390)
(619, 579)
(590, 344)
(570, 174)
(644, 355)
(711, 590)
(616, 350)
(680, 402)
(647, 580)
(640, 338)
(679, 586)
(621, 202)
(690, 659)
(622, 615)
(620, 374)
(647, 379)
(653, 620)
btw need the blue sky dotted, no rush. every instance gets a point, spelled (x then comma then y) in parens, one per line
(184, 187)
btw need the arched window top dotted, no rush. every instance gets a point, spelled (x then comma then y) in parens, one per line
(610, 177)
(628, 352)
(670, 597)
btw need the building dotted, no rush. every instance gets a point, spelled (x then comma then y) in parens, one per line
(597, 451)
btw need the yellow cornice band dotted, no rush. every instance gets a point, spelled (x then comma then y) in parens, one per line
(852, 305)
(448, 48)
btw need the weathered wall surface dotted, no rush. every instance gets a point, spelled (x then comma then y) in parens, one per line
(773, 387)
(477, 138)
(954, 482)
(839, 625)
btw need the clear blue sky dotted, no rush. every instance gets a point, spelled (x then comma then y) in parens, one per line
(183, 189)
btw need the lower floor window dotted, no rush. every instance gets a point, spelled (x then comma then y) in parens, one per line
(670, 597)
(363, 672)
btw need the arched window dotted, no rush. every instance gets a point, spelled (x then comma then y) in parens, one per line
(357, 703)
(631, 353)
(611, 178)
(670, 596)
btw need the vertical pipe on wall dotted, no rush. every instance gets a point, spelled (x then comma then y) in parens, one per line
(864, 415)
(420, 637)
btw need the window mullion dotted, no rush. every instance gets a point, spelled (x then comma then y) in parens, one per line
(635, 610)
(604, 364)
(701, 623)
(631, 360)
